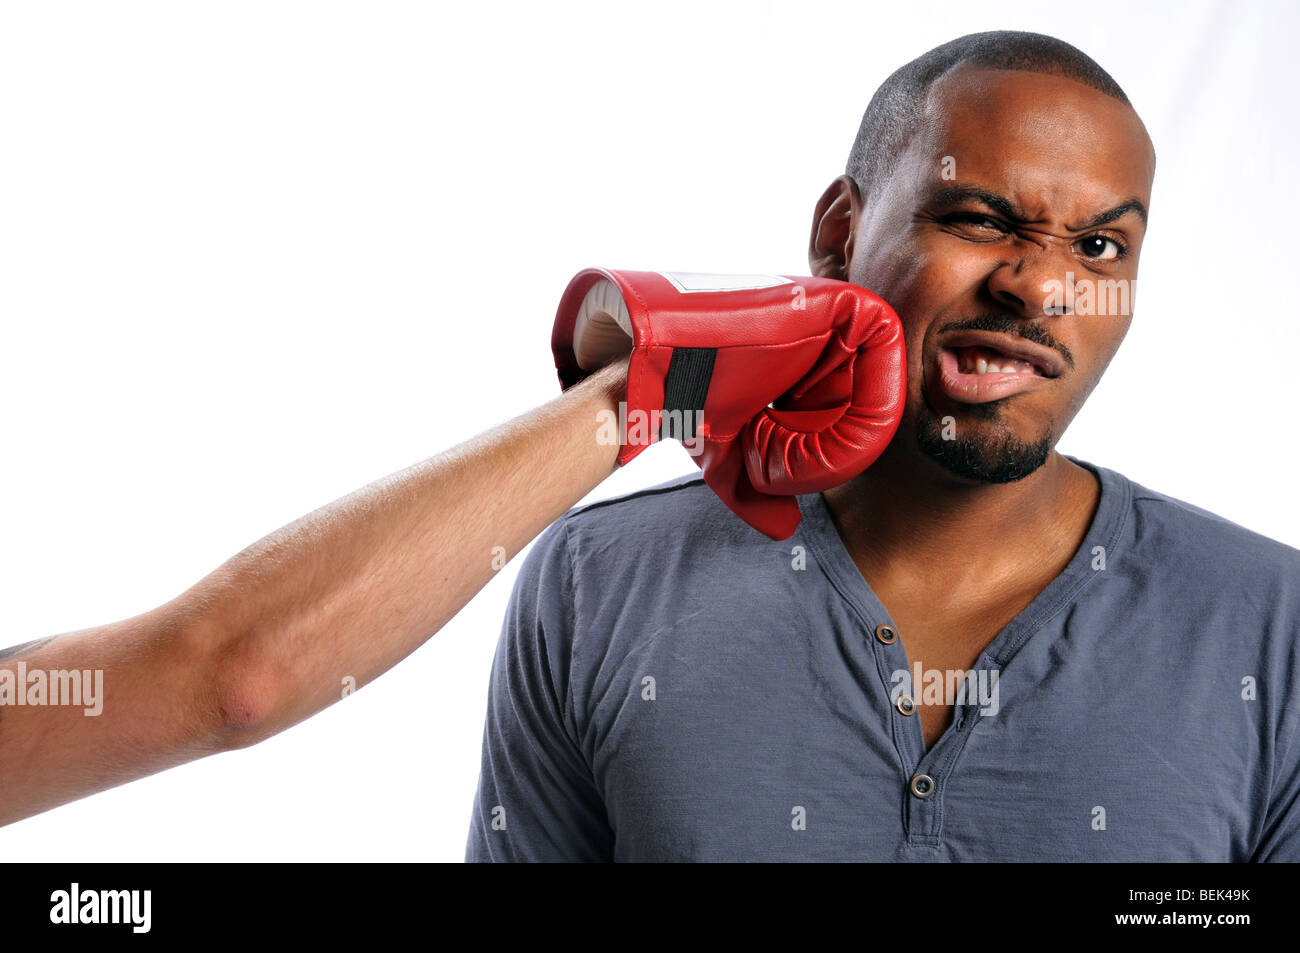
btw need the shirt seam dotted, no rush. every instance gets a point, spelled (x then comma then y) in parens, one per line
(572, 613)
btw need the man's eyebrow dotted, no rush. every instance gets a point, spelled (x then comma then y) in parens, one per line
(956, 194)
(1119, 211)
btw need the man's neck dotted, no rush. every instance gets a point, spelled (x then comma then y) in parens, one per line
(906, 518)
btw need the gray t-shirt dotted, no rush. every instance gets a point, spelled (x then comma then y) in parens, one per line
(672, 685)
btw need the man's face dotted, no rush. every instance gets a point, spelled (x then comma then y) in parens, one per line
(1007, 240)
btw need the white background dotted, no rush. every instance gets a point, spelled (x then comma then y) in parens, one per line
(255, 255)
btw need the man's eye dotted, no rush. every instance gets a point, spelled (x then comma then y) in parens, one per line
(1101, 248)
(974, 220)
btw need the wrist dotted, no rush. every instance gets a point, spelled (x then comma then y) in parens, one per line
(610, 382)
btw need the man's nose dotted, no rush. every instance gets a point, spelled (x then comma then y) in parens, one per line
(1035, 279)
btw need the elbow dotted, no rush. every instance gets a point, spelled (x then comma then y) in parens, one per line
(222, 694)
(244, 698)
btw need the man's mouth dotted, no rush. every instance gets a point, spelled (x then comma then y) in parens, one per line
(977, 367)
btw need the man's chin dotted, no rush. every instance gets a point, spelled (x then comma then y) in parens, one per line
(982, 459)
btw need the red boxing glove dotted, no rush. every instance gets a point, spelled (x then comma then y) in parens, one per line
(777, 385)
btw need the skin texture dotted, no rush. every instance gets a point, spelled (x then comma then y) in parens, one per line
(1060, 153)
(269, 637)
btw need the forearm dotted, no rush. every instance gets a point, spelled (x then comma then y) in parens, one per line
(270, 637)
(152, 708)
(349, 590)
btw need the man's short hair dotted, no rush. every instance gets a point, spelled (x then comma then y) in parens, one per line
(898, 107)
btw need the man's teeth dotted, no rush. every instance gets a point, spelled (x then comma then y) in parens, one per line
(1009, 366)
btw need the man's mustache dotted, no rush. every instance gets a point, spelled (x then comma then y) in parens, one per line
(1003, 323)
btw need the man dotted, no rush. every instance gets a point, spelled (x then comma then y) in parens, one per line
(673, 685)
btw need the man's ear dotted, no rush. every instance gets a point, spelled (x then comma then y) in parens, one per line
(830, 248)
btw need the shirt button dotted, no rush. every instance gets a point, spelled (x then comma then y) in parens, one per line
(886, 634)
(922, 786)
(905, 704)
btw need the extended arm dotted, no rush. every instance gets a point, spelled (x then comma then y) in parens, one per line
(268, 638)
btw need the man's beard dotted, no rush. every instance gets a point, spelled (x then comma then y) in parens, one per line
(994, 459)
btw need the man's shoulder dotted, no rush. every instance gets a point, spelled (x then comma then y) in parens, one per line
(688, 490)
(1197, 538)
(657, 548)
(675, 514)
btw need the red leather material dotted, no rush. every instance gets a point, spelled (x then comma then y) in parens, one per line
(826, 355)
